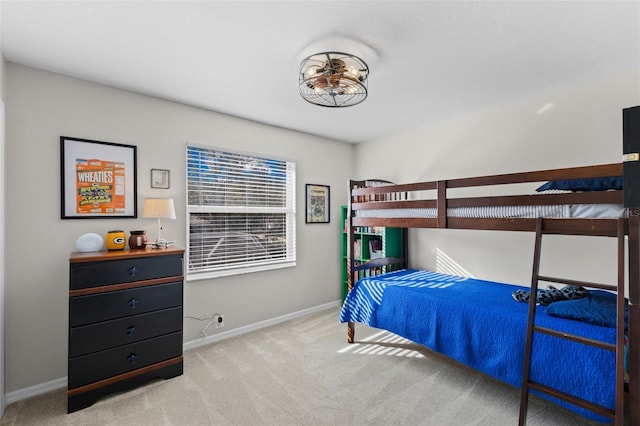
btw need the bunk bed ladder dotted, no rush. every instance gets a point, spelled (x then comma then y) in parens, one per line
(618, 414)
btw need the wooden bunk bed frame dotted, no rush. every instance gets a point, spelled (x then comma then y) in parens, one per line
(435, 195)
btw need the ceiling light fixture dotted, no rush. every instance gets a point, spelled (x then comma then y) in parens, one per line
(333, 79)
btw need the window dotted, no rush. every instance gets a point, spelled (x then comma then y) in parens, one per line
(242, 213)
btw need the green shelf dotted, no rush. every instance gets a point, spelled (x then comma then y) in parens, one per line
(370, 243)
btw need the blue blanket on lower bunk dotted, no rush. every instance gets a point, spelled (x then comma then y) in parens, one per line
(479, 324)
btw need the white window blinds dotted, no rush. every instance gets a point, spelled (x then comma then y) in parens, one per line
(241, 213)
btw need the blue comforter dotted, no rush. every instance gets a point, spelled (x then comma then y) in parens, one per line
(479, 324)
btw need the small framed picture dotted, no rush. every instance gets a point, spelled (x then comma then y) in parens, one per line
(317, 204)
(160, 178)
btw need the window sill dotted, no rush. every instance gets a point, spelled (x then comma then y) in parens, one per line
(198, 276)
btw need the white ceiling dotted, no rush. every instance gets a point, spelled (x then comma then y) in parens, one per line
(429, 60)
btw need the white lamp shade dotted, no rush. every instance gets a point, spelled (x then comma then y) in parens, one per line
(161, 208)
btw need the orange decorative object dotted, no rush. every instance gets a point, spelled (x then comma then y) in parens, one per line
(116, 240)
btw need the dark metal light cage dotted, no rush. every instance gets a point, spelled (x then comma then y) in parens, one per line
(333, 79)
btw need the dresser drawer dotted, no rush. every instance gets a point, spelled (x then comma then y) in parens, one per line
(84, 310)
(123, 359)
(109, 334)
(95, 274)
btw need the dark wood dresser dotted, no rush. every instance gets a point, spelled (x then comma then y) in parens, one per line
(125, 321)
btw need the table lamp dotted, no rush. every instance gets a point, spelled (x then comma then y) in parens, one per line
(160, 208)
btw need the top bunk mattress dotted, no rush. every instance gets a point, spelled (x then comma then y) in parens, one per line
(582, 211)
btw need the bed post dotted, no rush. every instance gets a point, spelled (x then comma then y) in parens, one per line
(634, 317)
(631, 172)
(441, 188)
(351, 327)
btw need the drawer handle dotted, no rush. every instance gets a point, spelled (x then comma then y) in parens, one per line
(132, 330)
(133, 271)
(133, 303)
(132, 358)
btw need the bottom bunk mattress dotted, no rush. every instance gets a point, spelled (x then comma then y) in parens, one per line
(479, 324)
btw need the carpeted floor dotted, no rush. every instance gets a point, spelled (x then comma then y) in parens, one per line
(304, 373)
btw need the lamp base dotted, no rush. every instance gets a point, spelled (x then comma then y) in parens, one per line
(160, 243)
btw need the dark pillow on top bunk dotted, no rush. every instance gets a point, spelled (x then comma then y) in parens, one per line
(599, 307)
(588, 184)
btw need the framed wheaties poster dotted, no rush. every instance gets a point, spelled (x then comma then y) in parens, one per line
(317, 204)
(98, 179)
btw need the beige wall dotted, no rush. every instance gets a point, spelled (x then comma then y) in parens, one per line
(582, 127)
(42, 106)
(2, 227)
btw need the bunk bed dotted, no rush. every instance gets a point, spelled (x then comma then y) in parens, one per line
(457, 316)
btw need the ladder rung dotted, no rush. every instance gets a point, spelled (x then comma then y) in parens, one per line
(596, 408)
(576, 283)
(575, 338)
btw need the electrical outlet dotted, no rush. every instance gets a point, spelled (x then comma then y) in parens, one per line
(220, 321)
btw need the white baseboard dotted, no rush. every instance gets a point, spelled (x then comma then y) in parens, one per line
(253, 327)
(60, 383)
(35, 390)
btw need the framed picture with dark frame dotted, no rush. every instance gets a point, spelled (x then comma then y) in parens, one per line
(317, 203)
(98, 179)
